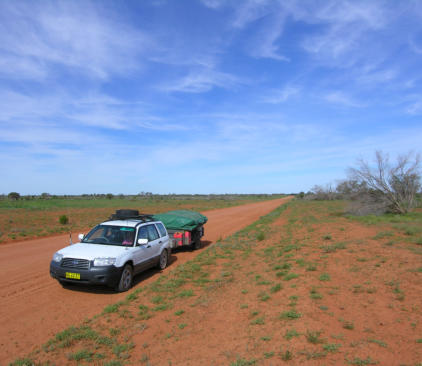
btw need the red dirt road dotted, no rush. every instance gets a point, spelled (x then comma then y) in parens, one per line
(34, 307)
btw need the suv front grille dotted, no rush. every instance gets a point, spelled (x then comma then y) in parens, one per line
(75, 263)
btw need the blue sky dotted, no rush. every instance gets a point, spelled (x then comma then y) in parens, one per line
(203, 96)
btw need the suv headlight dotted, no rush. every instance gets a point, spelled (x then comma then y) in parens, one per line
(57, 257)
(104, 261)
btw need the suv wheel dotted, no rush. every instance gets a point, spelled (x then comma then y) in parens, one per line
(162, 263)
(126, 278)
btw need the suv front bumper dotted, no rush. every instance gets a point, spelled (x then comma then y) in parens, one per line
(107, 275)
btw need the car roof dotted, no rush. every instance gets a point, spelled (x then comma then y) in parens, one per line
(128, 222)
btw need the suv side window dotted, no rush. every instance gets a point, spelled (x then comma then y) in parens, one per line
(161, 229)
(143, 233)
(152, 232)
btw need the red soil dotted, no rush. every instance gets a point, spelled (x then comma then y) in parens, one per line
(34, 307)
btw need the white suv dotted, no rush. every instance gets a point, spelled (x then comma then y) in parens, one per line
(113, 252)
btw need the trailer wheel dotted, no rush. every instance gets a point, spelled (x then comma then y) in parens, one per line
(197, 244)
(196, 240)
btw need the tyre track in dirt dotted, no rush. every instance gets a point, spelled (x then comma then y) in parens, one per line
(34, 307)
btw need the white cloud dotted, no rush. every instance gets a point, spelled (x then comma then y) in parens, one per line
(415, 107)
(282, 95)
(75, 35)
(202, 80)
(338, 97)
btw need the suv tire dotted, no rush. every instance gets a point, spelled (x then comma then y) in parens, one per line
(125, 282)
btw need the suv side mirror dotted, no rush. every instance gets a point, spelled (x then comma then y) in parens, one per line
(81, 236)
(142, 241)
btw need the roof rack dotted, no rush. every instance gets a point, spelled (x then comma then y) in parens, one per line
(130, 215)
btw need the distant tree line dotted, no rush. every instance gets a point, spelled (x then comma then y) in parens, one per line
(15, 196)
(378, 188)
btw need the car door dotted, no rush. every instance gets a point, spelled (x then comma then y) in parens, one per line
(154, 240)
(143, 254)
(163, 233)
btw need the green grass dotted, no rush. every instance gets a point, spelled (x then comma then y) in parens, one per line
(243, 362)
(263, 296)
(331, 347)
(80, 355)
(290, 334)
(22, 362)
(324, 277)
(290, 276)
(287, 356)
(276, 288)
(377, 341)
(258, 321)
(314, 337)
(291, 314)
(361, 362)
(268, 354)
(348, 325)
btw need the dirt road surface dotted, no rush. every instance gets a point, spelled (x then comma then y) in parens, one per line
(34, 307)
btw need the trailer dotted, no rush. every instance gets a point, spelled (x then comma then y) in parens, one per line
(185, 228)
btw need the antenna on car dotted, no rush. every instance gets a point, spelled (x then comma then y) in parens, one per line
(70, 234)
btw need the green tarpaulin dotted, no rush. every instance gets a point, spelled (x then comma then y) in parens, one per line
(181, 219)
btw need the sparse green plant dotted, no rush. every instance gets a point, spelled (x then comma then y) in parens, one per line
(179, 312)
(185, 293)
(263, 296)
(268, 354)
(331, 347)
(361, 362)
(377, 341)
(260, 236)
(82, 354)
(291, 333)
(324, 277)
(287, 356)
(313, 337)
(276, 288)
(291, 314)
(63, 219)
(290, 276)
(182, 325)
(113, 308)
(243, 362)
(258, 321)
(22, 362)
(348, 325)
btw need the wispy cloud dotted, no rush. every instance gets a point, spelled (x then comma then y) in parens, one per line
(202, 80)
(338, 97)
(281, 95)
(75, 35)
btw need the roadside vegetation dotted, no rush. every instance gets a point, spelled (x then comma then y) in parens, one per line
(305, 284)
(377, 188)
(26, 217)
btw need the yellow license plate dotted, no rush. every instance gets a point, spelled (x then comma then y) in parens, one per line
(73, 276)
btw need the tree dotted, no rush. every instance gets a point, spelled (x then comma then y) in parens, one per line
(396, 183)
(14, 196)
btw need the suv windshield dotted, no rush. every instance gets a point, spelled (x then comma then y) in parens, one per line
(110, 235)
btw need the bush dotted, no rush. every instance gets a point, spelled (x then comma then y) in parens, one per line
(393, 185)
(63, 219)
(14, 196)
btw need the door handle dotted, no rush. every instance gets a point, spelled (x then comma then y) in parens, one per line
(160, 242)
(148, 246)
